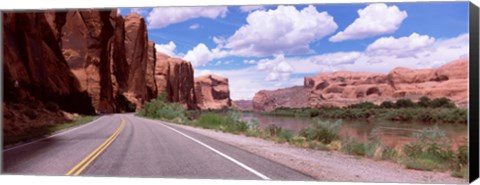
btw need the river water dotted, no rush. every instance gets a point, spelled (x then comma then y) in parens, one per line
(392, 134)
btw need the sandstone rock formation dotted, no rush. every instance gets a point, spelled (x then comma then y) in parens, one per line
(174, 76)
(35, 75)
(110, 56)
(343, 88)
(212, 92)
(268, 100)
(76, 61)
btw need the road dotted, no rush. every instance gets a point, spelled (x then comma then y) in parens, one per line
(128, 146)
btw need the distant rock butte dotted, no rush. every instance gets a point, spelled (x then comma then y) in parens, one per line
(268, 100)
(212, 92)
(343, 88)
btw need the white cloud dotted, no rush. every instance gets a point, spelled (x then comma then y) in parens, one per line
(199, 55)
(163, 16)
(283, 30)
(140, 11)
(336, 58)
(194, 26)
(249, 61)
(375, 19)
(400, 47)
(250, 8)
(168, 49)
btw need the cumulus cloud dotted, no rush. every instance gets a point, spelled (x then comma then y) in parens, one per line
(400, 47)
(250, 8)
(163, 16)
(336, 58)
(194, 26)
(168, 49)
(199, 55)
(277, 68)
(283, 30)
(375, 19)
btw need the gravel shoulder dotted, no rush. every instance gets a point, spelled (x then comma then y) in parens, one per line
(328, 165)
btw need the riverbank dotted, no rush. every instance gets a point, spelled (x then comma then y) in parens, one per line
(328, 165)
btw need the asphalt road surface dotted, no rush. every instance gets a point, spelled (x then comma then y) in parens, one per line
(128, 146)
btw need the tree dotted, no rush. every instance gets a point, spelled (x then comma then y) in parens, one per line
(424, 101)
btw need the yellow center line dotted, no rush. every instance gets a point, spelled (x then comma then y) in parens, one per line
(77, 169)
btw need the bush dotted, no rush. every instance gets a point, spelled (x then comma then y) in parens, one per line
(227, 123)
(424, 102)
(430, 152)
(322, 131)
(160, 109)
(404, 103)
(441, 103)
(387, 105)
(354, 148)
(273, 130)
(363, 105)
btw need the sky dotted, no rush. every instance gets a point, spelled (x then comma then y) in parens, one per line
(271, 47)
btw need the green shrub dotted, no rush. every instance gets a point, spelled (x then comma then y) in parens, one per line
(227, 123)
(322, 131)
(387, 105)
(363, 105)
(286, 135)
(273, 130)
(352, 147)
(404, 103)
(442, 103)
(160, 109)
(424, 102)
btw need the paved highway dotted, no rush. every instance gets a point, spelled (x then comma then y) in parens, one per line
(128, 146)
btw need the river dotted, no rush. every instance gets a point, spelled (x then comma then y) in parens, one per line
(392, 134)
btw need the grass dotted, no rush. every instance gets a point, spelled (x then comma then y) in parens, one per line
(39, 132)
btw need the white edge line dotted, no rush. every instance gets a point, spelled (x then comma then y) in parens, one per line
(220, 153)
(57, 134)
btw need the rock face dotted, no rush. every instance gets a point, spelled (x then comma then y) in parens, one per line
(76, 61)
(293, 97)
(174, 76)
(109, 55)
(35, 75)
(212, 92)
(343, 88)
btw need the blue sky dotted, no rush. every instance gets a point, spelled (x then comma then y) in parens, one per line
(271, 47)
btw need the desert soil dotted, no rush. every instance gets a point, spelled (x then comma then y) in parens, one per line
(329, 165)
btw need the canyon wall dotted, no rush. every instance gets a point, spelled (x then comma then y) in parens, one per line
(343, 88)
(88, 61)
(174, 77)
(212, 92)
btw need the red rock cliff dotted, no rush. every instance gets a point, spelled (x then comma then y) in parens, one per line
(77, 61)
(268, 100)
(343, 88)
(212, 92)
(174, 76)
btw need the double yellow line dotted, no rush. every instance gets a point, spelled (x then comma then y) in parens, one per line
(77, 169)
